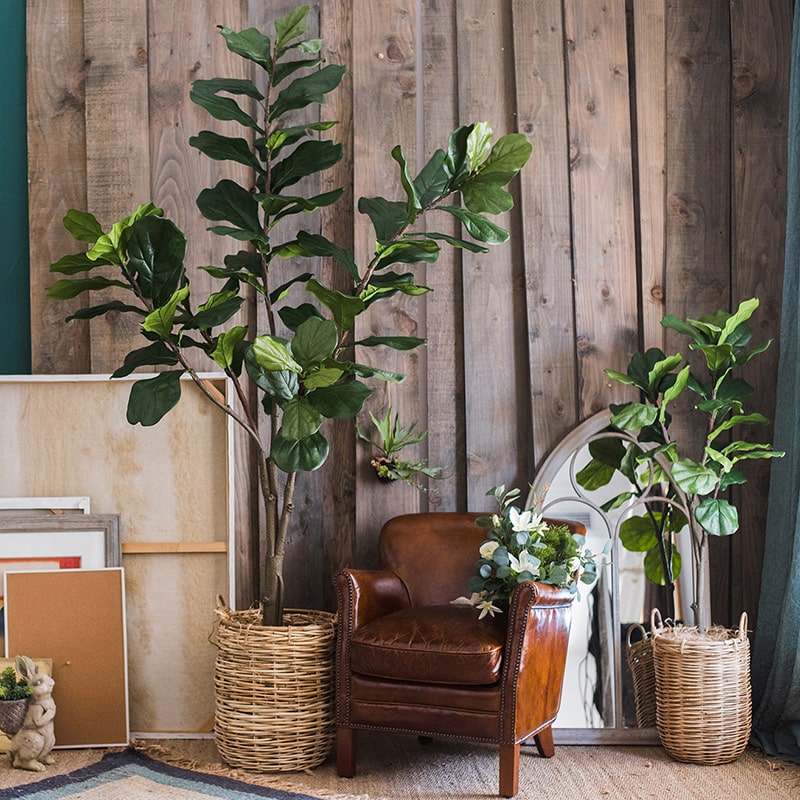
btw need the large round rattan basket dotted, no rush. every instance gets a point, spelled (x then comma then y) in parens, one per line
(703, 696)
(274, 690)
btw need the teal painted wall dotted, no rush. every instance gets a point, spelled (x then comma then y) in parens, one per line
(15, 354)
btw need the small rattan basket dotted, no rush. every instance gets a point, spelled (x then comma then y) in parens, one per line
(703, 696)
(12, 715)
(273, 690)
(640, 663)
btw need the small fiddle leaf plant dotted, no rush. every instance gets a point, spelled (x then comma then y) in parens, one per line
(392, 437)
(675, 488)
(522, 546)
(304, 362)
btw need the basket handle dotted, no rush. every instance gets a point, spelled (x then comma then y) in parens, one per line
(656, 623)
(631, 629)
(743, 625)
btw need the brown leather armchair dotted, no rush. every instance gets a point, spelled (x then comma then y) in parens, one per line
(408, 661)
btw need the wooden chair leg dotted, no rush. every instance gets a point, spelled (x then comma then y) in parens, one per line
(544, 742)
(509, 769)
(345, 752)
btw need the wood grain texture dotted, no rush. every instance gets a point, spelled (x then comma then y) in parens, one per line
(761, 48)
(602, 197)
(649, 46)
(117, 149)
(546, 222)
(443, 356)
(494, 301)
(56, 175)
(384, 115)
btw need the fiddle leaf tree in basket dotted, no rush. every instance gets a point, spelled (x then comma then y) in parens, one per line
(305, 362)
(680, 484)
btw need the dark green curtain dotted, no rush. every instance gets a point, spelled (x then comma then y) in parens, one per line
(14, 283)
(776, 649)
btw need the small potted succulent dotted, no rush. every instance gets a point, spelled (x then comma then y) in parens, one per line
(15, 695)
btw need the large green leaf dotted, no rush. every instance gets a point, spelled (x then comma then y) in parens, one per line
(395, 342)
(742, 314)
(345, 308)
(305, 90)
(314, 342)
(594, 475)
(479, 144)
(156, 250)
(478, 226)
(694, 478)
(73, 264)
(300, 419)
(67, 288)
(483, 195)
(83, 226)
(654, 568)
(250, 44)
(638, 534)
(96, 311)
(206, 93)
(717, 517)
(634, 416)
(152, 398)
(307, 454)
(154, 354)
(408, 251)
(280, 385)
(272, 354)
(433, 182)
(228, 342)
(306, 159)
(508, 156)
(340, 401)
(229, 201)
(291, 26)
(161, 320)
(318, 245)
(413, 205)
(457, 153)
(226, 148)
(388, 217)
(217, 310)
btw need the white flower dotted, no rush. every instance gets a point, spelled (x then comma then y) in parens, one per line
(524, 563)
(488, 548)
(487, 607)
(574, 565)
(523, 520)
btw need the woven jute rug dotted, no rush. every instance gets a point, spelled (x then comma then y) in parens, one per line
(399, 768)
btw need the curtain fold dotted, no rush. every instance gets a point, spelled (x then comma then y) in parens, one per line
(776, 657)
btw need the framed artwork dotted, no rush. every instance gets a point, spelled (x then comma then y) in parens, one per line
(71, 541)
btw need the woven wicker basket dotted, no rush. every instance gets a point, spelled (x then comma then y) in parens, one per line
(703, 698)
(12, 715)
(274, 690)
(640, 663)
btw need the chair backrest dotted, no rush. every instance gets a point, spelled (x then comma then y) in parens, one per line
(434, 553)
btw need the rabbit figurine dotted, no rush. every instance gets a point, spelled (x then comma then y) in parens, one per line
(32, 743)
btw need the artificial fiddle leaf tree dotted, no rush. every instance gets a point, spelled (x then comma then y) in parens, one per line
(305, 362)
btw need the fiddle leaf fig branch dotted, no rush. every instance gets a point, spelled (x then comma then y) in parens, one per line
(302, 363)
(640, 445)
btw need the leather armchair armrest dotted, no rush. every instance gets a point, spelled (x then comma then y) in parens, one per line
(364, 595)
(536, 652)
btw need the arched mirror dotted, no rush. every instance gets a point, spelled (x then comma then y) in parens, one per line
(598, 703)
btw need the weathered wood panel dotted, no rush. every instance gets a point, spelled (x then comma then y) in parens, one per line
(620, 216)
(761, 49)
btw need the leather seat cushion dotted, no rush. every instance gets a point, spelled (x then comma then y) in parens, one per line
(432, 644)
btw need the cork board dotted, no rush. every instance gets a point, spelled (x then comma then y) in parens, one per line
(77, 619)
(172, 486)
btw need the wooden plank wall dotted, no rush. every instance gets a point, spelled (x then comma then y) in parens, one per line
(657, 185)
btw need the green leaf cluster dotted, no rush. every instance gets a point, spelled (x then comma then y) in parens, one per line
(12, 688)
(650, 454)
(305, 370)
